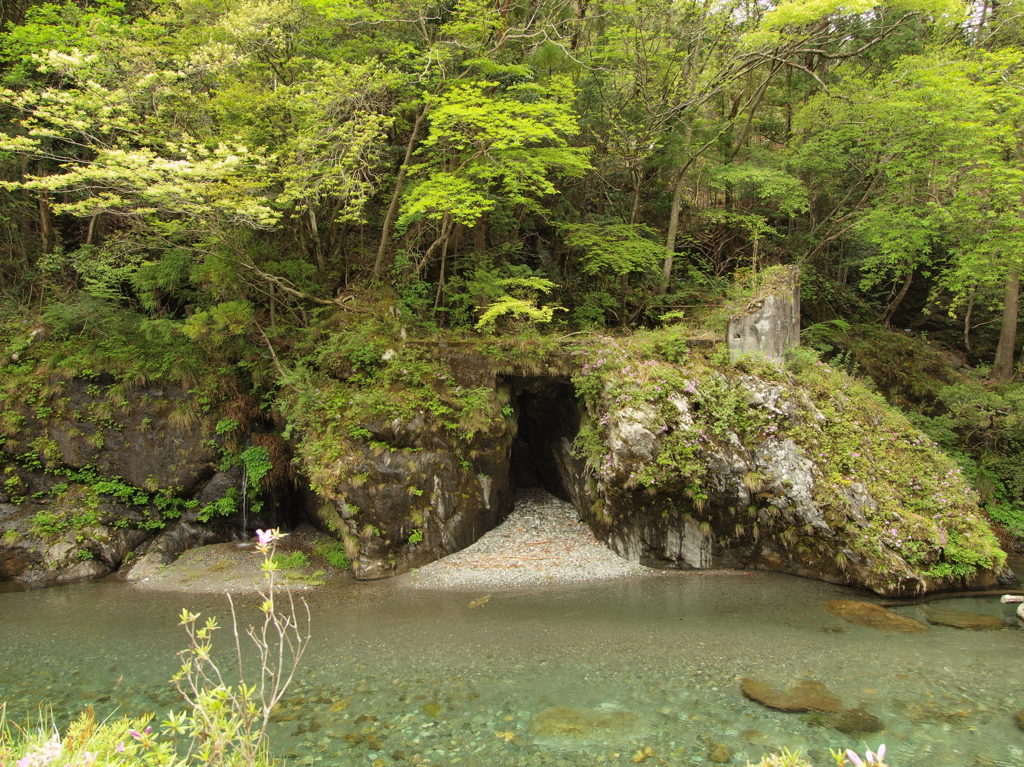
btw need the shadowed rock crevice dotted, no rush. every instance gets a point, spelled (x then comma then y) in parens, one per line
(548, 419)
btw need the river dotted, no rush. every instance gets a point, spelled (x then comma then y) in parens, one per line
(566, 676)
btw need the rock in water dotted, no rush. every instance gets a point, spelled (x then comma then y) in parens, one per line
(874, 617)
(584, 725)
(718, 753)
(959, 619)
(1019, 718)
(856, 720)
(807, 695)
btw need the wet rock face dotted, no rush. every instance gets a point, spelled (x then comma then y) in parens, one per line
(416, 495)
(418, 506)
(54, 528)
(151, 436)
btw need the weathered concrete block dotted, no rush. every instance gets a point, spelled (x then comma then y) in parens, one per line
(770, 326)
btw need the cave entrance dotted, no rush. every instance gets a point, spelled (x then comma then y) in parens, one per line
(548, 417)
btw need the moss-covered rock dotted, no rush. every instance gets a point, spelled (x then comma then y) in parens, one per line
(409, 459)
(697, 463)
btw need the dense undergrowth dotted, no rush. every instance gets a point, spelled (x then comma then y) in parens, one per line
(977, 422)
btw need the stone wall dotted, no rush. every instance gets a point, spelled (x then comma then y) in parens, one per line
(770, 324)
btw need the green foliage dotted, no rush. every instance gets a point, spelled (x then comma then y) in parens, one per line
(257, 463)
(48, 523)
(222, 507)
(520, 302)
(488, 143)
(616, 249)
(228, 318)
(334, 553)
(1010, 516)
(292, 561)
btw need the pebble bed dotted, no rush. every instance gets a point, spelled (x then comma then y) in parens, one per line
(542, 542)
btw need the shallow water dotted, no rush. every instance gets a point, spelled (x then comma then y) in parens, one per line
(407, 676)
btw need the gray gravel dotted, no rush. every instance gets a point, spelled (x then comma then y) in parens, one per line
(542, 542)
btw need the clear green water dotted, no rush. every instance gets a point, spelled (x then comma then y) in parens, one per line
(430, 681)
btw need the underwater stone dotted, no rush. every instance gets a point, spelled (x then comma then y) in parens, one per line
(806, 695)
(874, 617)
(584, 724)
(718, 753)
(959, 619)
(856, 720)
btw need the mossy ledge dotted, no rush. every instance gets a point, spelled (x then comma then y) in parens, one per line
(406, 450)
(675, 457)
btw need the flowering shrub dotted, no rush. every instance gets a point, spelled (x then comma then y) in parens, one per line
(225, 724)
(789, 758)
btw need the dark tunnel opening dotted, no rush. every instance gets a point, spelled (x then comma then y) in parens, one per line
(548, 417)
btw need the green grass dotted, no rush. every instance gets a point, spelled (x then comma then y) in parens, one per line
(334, 554)
(292, 561)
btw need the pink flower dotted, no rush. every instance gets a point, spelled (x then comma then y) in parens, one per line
(265, 537)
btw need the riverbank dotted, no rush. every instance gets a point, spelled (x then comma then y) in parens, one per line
(237, 567)
(542, 542)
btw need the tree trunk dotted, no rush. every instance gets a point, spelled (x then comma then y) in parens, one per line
(634, 207)
(673, 223)
(389, 218)
(967, 321)
(890, 310)
(1002, 368)
(314, 230)
(46, 224)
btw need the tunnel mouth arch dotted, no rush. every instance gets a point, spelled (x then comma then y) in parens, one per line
(548, 418)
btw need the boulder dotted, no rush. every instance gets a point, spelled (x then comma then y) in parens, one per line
(806, 695)
(585, 725)
(166, 547)
(770, 324)
(874, 617)
(959, 619)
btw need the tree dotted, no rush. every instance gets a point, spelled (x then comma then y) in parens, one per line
(937, 149)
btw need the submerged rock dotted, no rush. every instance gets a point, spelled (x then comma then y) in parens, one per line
(874, 617)
(585, 725)
(718, 753)
(856, 720)
(959, 619)
(806, 695)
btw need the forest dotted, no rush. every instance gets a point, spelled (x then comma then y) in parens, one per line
(197, 188)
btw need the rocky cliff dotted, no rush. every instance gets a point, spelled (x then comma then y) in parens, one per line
(675, 457)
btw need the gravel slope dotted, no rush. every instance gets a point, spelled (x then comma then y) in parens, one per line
(542, 542)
